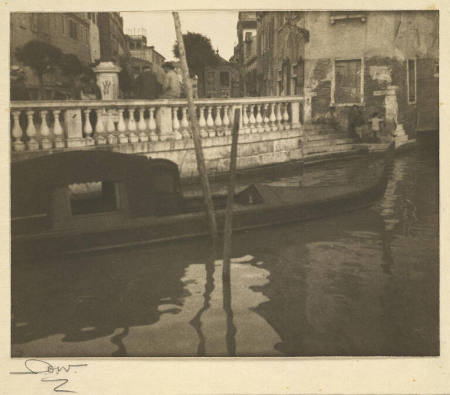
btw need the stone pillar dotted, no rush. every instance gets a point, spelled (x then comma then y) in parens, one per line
(74, 128)
(108, 80)
(391, 108)
(295, 119)
(164, 123)
(307, 105)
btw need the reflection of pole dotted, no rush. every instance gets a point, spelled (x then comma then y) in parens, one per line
(229, 210)
(231, 329)
(196, 321)
(226, 283)
(195, 132)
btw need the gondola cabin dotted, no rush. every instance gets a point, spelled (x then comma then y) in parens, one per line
(87, 189)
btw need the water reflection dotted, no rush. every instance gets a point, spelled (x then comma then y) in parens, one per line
(361, 284)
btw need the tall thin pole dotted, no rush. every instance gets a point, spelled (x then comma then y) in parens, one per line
(196, 132)
(230, 197)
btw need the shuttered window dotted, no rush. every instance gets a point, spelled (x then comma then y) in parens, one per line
(347, 81)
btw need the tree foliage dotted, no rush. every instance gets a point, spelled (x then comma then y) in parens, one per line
(199, 52)
(39, 56)
(72, 66)
(44, 58)
(126, 81)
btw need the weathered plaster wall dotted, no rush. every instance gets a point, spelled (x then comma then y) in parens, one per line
(385, 40)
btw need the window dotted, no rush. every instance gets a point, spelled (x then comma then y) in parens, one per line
(224, 78)
(337, 16)
(62, 22)
(73, 29)
(411, 80)
(348, 81)
(93, 197)
(248, 36)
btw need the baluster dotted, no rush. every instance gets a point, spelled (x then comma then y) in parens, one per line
(100, 128)
(218, 121)
(245, 120)
(57, 130)
(152, 125)
(142, 125)
(202, 123)
(210, 123)
(32, 143)
(279, 117)
(287, 126)
(185, 124)
(266, 118)
(226, 121)
(121, 128)
(132, 126)
(44, 131)
(111, 128)
(88, 127)
(176, 124)
(252, 120)
(273, 118)
(259, 119)
(17, 133)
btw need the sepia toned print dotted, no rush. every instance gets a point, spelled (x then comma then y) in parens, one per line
(268, 190)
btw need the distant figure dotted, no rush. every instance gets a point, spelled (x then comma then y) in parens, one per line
(195, 86)
(147, 85)
(172, 85)
(330, 117)
(19, 90)
(376, 125)
(355, 122)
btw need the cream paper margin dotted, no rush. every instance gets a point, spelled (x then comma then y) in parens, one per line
(236, 375)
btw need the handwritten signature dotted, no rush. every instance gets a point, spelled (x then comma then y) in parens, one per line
(38, 366)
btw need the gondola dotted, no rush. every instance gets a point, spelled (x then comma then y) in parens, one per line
(84, 201)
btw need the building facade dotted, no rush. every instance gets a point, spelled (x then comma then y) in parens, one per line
(221, 80)
(113, 44)
(137, 45)
(384, 62)
(245, 53)
(70, 32)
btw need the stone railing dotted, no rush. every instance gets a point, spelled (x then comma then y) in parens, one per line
(59, 125)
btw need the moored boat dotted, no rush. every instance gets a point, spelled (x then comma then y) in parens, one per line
(84, 201)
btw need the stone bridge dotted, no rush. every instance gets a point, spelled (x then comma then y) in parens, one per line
(270, 129)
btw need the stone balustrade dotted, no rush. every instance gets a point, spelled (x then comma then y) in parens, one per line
(51, 125)
(270, 130)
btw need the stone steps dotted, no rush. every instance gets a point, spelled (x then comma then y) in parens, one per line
(308, 151)
(323, 140)
(335, 136)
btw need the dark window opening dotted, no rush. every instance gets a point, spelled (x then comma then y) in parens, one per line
(348, 81)
(411, 80)
(73, 30)
(93, 197)
(224, 78)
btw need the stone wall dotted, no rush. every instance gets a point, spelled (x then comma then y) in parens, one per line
(254, 150)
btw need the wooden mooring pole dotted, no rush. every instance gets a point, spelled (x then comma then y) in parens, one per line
(227, 233)
(196, 132)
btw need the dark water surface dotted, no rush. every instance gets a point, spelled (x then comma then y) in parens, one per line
(364, 283)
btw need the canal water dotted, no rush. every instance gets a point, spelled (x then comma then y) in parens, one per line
(359, 284)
